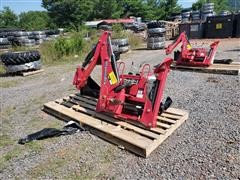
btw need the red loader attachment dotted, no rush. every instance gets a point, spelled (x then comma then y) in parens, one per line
(134, 97)
(189, 56)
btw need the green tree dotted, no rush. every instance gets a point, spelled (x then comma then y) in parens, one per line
(69, 13)
(134, 8)
(104, 9)
(34, 20)
(8, 18)
(169, 7)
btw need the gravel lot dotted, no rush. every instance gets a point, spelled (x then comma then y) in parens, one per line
(206, 146)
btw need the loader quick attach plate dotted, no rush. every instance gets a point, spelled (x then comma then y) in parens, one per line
(132, 137)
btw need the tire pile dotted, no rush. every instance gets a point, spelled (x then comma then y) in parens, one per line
(196, 16)
(207, 11)
(186, 13)
(4, 43)
(121, 45)
(21, 61)
(156, 35)
(11, 37)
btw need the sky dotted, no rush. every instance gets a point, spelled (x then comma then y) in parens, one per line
(19, 6)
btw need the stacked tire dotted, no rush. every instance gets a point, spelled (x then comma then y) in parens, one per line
(4, 43)
(196, 16)
(39, 37)
(186, 13)
(21, 61)
(122, 45)
(156, 35)
(207, 11)
(21, 39)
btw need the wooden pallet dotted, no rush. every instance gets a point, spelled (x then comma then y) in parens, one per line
(132, 137)
(28, 73)
(229, 69)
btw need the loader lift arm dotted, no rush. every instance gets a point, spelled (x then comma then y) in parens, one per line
(189, 56)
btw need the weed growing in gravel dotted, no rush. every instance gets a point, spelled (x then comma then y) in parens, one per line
(6, 112)
(5, 140)
(14, 152)
(51, 166)
(2, 69)
(9, 83)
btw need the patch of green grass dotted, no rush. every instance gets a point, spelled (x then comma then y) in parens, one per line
(35, 146)
(11, 154)
(2, 69)
(9, 83)
(38, 123)
(5, 140)
(50, 166)
(14, 152)
(22, 48)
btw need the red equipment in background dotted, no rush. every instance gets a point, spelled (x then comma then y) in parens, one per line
(135, 97)
(189, 56)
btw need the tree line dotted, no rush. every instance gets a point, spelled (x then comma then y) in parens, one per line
(73, 13)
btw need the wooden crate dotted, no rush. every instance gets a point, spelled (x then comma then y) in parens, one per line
(132, 137)
(229, 69)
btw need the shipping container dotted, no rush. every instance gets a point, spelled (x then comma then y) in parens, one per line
(184, 27)
(196, 30)
(219, 27)
(236, 26)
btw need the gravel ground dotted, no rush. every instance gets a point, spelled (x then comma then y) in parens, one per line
(206, 146)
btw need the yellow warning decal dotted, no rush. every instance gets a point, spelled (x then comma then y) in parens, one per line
(219, 26)
(112, 78)
(189, 46)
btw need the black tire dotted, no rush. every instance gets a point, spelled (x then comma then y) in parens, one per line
(39, 33)
(120, 42)
(52, 32)
(158, 45)
(17, 58)
(156, 31)
(123, 49)
(153, 25)
(35, 65)
(20, 38)
(28, 41)
(40, 36)
(4, 41)
(115, 48)
(156, 39)
(156, 35)
(20, 33)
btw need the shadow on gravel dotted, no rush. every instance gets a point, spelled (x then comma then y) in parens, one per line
(8, 75)
(141, 49)
(233, 50)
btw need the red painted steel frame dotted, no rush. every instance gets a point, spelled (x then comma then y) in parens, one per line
(192, 56)
(112, 101)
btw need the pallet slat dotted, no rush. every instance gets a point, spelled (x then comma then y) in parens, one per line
(31, 72)
(229, 69)
(136, 139)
